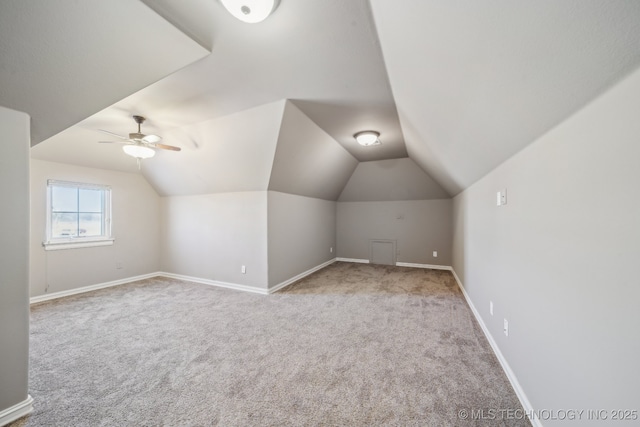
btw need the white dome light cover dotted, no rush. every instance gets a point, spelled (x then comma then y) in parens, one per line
(368, 138)
(250, 11)
(139, 151)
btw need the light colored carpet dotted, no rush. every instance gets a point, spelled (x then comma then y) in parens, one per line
(351, 345)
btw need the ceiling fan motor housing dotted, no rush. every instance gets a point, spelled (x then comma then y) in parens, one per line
(139, 119)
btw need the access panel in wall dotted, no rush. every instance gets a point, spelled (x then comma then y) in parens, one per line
(382, 252)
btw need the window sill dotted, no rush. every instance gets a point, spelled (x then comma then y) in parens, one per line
(57, 246)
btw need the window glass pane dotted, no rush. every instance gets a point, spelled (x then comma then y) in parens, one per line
(64, 199)
(78, 211)
(90, 200)
(90, 225)
(64, 225)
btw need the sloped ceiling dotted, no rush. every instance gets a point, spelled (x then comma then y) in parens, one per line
(225, 154)
(324, 55)
(308, 162)
(476, 81)
(271, 147)
(64, 60)
(393, 179)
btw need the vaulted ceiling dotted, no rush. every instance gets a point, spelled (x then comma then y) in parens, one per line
(458, 86)
(476, 81)
(62, 61)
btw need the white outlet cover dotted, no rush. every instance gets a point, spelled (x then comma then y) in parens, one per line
(506, 327)
(435, 254)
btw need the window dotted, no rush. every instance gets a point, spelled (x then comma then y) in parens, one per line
(78, 215)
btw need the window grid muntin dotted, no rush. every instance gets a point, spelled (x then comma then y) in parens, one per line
(77, 235)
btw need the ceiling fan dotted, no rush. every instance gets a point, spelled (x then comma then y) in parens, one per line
(139, 145)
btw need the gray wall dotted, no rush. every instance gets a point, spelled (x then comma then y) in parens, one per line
(14, 258)
(395, 199)
(301, 232)
(560, 259)
(419, 227)
(135, 225)
(211, 236)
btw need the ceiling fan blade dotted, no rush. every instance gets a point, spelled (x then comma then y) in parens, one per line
(114, 142)
(113, 134)
(151, 139)
(167, 147)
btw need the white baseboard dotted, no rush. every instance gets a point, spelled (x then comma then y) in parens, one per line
(16, 411)
(361, 261)
(217, 283)
(524, 401)
(246, 288)
(54, 295)
(302, 275)
(400, 264)
(429, 266)
(236, 286)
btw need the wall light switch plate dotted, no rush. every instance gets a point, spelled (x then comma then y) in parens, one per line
(501, 197)
(491, 308)
(506, 327)
(331, 250)
(243, 269)
(435, 254)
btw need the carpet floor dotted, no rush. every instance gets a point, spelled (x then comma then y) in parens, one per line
(350, 345)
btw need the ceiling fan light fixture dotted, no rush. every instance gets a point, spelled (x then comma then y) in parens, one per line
(368, 138)
(139, 151)
(151, 139)
(250, 11)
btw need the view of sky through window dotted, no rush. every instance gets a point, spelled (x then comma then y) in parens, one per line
(76, 212)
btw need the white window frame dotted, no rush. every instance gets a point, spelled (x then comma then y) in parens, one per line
(71, 242)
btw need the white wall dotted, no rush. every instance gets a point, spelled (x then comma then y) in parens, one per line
(301, 232)
(211, 236)
(14, 258)
(418, 226)
(560, 260)
(135, 225)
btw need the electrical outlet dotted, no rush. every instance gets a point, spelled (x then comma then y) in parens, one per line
(491, 308)
(435, 254)
(243, 270)
(506, 327)
(331, 250)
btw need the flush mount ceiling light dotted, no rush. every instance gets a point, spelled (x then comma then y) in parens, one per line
(368, 138)
(250, 11)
